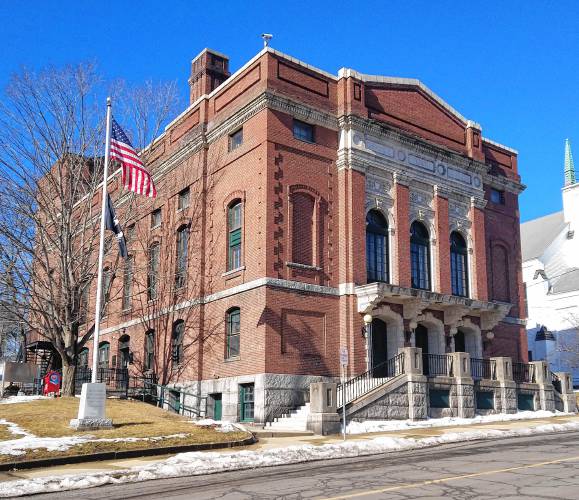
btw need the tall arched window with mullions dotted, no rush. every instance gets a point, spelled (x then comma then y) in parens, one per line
(234, 235)
(182, 256)
(419, 256)
(458, 265)
(376, 247)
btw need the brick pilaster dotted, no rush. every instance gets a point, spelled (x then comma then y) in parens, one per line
(479, 267)
(402, 237)
(442, 241)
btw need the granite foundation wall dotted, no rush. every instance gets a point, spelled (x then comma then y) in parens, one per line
(274, 394)
(391, 406)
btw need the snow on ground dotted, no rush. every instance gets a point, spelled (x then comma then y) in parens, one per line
(197, 463)
(13, 428)
(218, 425)
(28, 441)
(20, 399)
(397, 425)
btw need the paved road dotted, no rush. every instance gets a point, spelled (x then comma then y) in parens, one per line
(542, 467)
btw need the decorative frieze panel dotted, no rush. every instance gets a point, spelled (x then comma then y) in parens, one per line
(420, 199)
(380, 187)
(458, 210)
(421, 163)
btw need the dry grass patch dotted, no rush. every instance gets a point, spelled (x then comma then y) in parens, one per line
(5, 433)
(50, 418)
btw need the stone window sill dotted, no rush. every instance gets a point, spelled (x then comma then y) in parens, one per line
(232, 359)
(233, 272)
(306, 267)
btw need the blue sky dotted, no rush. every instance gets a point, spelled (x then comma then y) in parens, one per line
(512, 66)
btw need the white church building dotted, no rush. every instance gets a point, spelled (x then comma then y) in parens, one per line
(550, 247)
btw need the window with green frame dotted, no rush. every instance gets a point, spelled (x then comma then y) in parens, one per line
(177, 342)
(149, 350)
(234, 235)
(233, 323)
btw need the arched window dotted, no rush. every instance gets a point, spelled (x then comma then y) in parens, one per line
(83, 302)
(103, 357)
(376, 247)
(182, 256)
(128, 283)
(153, 270)
(303, 228)
(83, 357)
(234, 235)
(149, 361)
(177, 342)
(233, 325)
(419, 256)
(107, 281)
(458, 265)
(124, 355)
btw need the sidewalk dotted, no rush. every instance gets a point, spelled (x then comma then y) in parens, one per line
(268, 444)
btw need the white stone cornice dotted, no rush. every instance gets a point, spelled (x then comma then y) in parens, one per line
(477, 202)
(503, 183)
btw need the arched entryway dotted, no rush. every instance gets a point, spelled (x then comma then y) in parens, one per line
(421, 340)
(459, 342)
(468, 340)
(379, 347)
(124, 351)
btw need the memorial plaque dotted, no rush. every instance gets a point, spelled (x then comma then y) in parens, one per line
(91, 411)
(92, 401)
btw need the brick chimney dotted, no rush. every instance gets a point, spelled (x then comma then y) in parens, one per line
(208, 70)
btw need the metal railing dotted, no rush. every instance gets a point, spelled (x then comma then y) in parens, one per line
(436, 364)
(174, 399)
(115, 379)
(483, 369)
(368, 381)
(523, 373)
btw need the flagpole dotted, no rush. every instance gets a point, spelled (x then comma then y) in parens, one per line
(97, 315)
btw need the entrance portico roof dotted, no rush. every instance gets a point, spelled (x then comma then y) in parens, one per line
(414, 301)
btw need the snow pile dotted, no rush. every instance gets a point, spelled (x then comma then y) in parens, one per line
(218, 425)
(32, 442)
(369, 426)
(197, 463)
(20, 399)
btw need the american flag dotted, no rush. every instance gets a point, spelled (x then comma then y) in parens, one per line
(135, 177)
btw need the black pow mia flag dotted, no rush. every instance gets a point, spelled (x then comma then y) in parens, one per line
(112, 224)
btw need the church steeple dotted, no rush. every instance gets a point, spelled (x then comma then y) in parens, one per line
(569, 167)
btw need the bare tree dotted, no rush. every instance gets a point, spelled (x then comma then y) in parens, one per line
(170, 276)
(51, 146)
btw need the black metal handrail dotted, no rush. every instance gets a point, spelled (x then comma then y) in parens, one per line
(436, 364)
(170, 397)
(523, 373)
(368, 381)
(483, 369)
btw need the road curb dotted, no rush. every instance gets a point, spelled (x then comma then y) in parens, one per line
(114, 455)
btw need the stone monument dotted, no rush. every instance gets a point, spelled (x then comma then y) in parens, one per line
(91, 412)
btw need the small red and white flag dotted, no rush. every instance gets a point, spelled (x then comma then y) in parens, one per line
(134, 176)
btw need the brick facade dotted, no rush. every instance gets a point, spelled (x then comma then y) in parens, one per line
(385, 144)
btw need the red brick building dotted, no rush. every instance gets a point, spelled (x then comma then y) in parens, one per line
(292, 203)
